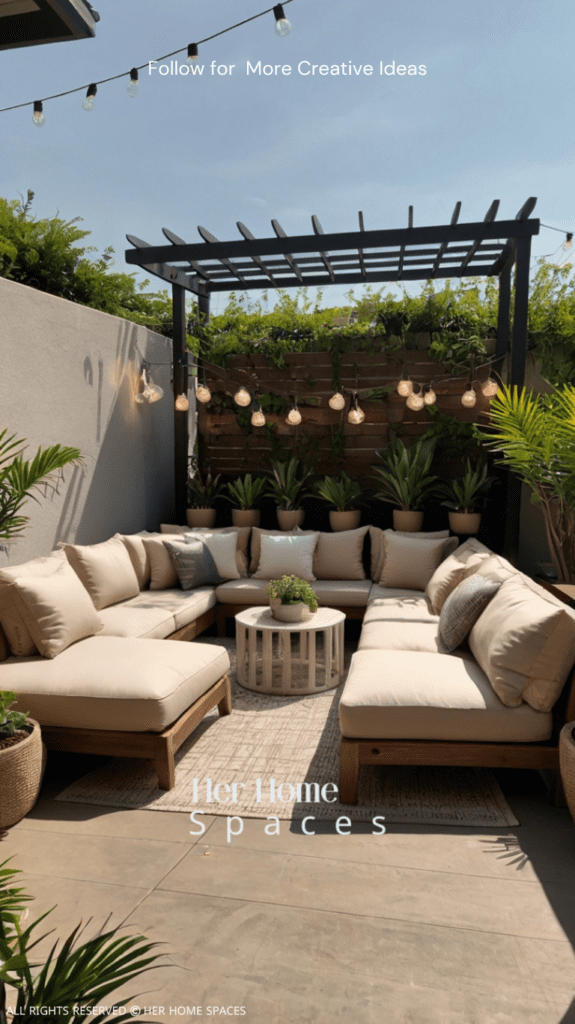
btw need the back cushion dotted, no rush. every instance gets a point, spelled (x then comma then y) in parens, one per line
(452, 570)
(13, 623)
(377, 537)
(243, 540)
(105, 569)
(338, 556)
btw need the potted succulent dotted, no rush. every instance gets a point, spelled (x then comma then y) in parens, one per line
(291, 599)
(465, 497)
(405, 481)
(244, 493)
(202, 495)
(288, 487)
(344, 494)
(22, 760)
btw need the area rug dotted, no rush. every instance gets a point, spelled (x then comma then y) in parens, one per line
(282, 755)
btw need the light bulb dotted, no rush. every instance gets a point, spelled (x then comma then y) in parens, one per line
(154, 393)
(405, 387)
(88, 102)
(181, 403)
(132, 88)
(337, 401)
(192, 57)
(203, 393)
(242, 397)
(283, 26)
(139, 398)
(568, 240)
(258, 418)
(38, 116)
(490, 388)
(294, 417)
(430, 398)
(356, 415)
(468, 398)
(415, 402)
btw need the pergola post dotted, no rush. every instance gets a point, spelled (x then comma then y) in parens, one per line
(519, 335)
(502, 345)
(180, 386)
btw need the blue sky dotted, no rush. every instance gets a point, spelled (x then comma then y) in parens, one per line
(491, 119)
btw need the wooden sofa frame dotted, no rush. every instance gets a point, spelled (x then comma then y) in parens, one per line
(160, 747)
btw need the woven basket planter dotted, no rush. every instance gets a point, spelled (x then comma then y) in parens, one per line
(21, 771)
(567, 764)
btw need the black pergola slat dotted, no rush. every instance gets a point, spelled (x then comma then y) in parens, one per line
(319, 231)
(176, 240)
(211, 239)
(250, 238)
(287, 256)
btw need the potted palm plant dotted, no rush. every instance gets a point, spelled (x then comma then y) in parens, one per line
(344, 494)
(405, 481)
(288, 487)
(465, 497)
(291, 598)
(535, 436)
(244, 493)
(202, 495)
(22, 760)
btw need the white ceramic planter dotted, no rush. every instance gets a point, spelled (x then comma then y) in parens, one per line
(201, 516)
(344, 520)
(464, 523)
(407, 522)
(287, 520)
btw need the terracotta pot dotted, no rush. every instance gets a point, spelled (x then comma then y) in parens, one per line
(289, 612)
(464, 523)
(246, 516)
(201, 516)
(287, 520)
(407, 522)
(345, 520)
(21, 769)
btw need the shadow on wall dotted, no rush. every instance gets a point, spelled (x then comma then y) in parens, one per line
(130, 486)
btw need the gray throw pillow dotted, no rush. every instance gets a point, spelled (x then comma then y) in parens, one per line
(194, 563)
(463, 607)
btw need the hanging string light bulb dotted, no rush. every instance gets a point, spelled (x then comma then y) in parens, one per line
(242, 397)
(405, 386)
(490, 387)
(192, 57)
(132, 88)
(568, 240)
(139, 396)
(337, 401)
(181, 403)
(429, 398)
(415, 401)
(283, 27)
(203, 393)
(38, 116)
(152, 392)
(88, 102)
(258, 418)
(355, 415)
(469, 398)
(294, 415)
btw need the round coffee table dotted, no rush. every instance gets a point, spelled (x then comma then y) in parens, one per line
(284, 657)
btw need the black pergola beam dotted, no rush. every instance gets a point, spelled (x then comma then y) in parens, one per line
(354, 278)
(173, 275)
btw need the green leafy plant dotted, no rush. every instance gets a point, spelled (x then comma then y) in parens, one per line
(72, 981)
(203, 492)
(535, 436)
(289, 485)
(341, 492)
(244, 492)
(10, 721)
(404, 478)
(19, 478)
(292, 590)
(467, 493)
(452, 438)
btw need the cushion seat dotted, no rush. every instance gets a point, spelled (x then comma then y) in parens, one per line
(426, 696)
(156, 614)
(115, 683)
(329, 592)
(399, 620)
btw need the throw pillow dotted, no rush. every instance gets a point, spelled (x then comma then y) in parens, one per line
(338, 556)
(287, 555)
(223, 550)
(56, 609)
(194, 563)
(377, 539)
(139, 557)
(17, 634)
(105, 569)
(463, 607)
(258, 533)
(452, 570)
(163, 575)
(525, 643)
(242, 532)
(410, 562)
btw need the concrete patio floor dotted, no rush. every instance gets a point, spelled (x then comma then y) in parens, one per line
(423, 924)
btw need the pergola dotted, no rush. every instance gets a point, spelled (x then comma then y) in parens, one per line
(486, 248)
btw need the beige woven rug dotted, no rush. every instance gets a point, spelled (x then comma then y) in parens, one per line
(292, 741)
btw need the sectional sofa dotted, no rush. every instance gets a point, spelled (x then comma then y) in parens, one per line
(89, 630)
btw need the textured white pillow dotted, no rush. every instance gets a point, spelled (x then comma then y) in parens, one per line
(286, 556)
(222, 547)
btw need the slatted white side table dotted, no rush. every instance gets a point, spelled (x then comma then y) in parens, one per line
(268, 661)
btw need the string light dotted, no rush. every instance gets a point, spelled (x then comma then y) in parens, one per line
(337, 401)
(88, 103)
(258, 418)
(152, 392)
(242, 397)
(355, 414)
(405, 387)
(38, 116)
(283, 26)
(294, 415)
(490, 388)
(429, 398)
(192, 57)
(132, 88)
(181, 403)
(469, 398)
(568, 240)
(203, 393)
(415, 401)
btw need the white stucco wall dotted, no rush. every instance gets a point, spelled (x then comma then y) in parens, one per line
(68, 375)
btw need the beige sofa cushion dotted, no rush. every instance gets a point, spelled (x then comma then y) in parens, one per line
(163, 575)
(452, 570)
(139, 557)
(377, 539)
(525, 643)
(14, 625)
(117, 683)
(243, 535)
(291, 554)
(341, 593)
(410, 562)
(425, 696)
(400, 623)
(56, 609)
(157, 615)
(105, 569)
(338, 556)
(256, 541)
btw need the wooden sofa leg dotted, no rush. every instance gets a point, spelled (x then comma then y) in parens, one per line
(348, 771)
(225, 705)
(164, 760)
